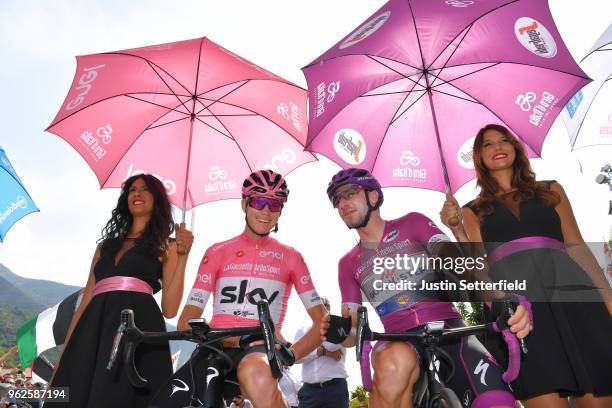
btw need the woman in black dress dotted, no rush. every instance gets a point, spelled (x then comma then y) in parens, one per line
(530, 233)
(134, 259)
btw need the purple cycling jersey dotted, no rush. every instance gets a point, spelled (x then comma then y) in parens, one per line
(390, 274)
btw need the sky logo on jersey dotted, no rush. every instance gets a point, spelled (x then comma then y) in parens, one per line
(230, 296)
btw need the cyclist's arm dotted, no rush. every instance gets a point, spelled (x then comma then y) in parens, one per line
(302, 281)
(351, 298)
(199, 294)
(312, 338)
(299, 334)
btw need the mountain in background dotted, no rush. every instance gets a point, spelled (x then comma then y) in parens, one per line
(42, 292)
(21, 299)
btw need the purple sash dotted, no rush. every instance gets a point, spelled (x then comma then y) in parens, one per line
(514, 246)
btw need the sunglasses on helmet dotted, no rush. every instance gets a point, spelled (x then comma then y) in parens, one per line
(259, 203)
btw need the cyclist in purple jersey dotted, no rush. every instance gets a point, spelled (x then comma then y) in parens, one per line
(391, 263)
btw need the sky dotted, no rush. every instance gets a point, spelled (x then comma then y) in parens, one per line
(38, 42)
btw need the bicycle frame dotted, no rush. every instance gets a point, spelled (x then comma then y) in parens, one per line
(200, 333)
(430, 336)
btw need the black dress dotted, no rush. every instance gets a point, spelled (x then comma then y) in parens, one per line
(83, 363)
(570, 351)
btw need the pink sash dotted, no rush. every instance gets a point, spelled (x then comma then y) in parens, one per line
(124, 283)
(518, 245)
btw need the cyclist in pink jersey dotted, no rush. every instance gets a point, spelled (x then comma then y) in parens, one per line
(245, 269)
(409, 242)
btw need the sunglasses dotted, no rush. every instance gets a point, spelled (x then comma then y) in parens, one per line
(347, 194)
(259, 203)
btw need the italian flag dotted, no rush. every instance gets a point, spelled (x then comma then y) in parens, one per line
(46, 330)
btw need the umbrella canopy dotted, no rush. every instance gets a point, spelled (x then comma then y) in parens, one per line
(405, 93)
(598, 65)
(15, 202)
(196, 115)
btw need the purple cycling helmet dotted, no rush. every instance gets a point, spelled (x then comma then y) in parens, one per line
(356, 176)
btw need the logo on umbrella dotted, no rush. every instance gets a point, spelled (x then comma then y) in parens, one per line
(574, 103)
(524, 101)
(350, 146)
(286, 156)
(538, 111)
(409, 158)
(168, 184)
(294, 116)
(365, 30)
(458, 3)
(465, 155)
(20, 202)
(535, 37)
(217, 172)
(84, 85)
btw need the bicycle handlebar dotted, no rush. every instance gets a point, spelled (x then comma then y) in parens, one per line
(200, 333)
(432, 332)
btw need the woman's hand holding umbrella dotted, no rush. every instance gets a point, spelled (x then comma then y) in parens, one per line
(451, 215)
(184, 239)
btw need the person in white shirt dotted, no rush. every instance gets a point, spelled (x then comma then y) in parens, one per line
(290, 386)
(323, 374)
(240, 402)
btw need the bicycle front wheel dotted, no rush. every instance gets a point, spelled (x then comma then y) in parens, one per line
(445, 399)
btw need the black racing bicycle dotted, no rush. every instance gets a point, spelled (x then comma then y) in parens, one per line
(128, 338)
(431, 390)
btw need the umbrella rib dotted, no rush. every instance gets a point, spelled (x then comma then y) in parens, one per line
(195, 90)
(215, 129)
(456, 96)
(598, 49)
(157, 104)
(465, 75)
(495, 63)
(471, 23)
(390, 123)
(236, 115)
(437, 75)
(167, 123)
(493, 113)
(407, 109)
(262, 116)
(391, 93)
(388, 67)
(218, 99)
(237, 145)
(151, 63)
(165, 83)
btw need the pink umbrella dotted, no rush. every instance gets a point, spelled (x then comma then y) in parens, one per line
(196, 115)
(405, 93)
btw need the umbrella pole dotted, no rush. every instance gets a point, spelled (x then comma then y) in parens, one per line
(181, 250)
(187, 167)
(454, 221)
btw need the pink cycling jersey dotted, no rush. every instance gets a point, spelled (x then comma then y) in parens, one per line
(393, 291)
(241, 271)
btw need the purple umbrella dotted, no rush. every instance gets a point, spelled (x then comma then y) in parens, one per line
(405, 93)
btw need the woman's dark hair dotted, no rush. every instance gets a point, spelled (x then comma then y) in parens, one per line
(154, 238)
(523, 177)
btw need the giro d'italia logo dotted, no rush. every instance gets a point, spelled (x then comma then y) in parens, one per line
(365, 30)
(535, 37)
(464, 154)
(350, 146)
